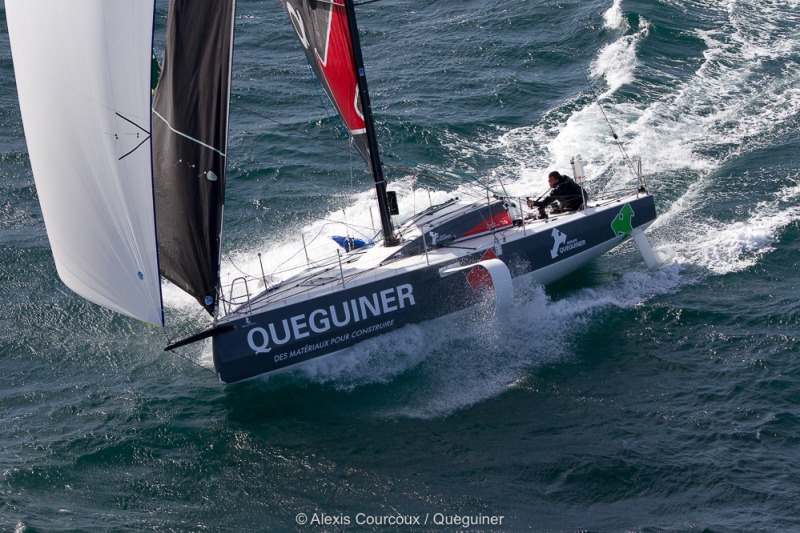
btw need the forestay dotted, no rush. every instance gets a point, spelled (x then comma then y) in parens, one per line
(83, 76)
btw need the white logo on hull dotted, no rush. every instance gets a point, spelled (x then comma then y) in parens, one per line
(558, 239)
(561, 245)
(262, 339)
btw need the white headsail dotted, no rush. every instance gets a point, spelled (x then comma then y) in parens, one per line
(83, 72)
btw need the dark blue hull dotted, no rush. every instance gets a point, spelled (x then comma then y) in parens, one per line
(277, 338)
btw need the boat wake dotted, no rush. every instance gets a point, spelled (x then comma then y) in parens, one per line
(685, 138)
(723, 248)
(440, 367)
(437, 368)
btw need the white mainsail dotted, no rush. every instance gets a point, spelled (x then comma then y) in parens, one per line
(83, 72)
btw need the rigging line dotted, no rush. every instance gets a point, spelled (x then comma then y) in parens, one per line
(185, 327)
(228, 258)
(287, 126)
(502, 186)
(201, 143)
(613, 133)
(185, 358)
(322, 100)
(341, 4)
(350, 225)
(450, 182)
(427, 176)
(326, 104)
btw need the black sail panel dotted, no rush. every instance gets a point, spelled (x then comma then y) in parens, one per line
(323, 30)
(190, 130)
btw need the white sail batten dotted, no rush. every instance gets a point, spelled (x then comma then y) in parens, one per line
(83, 72)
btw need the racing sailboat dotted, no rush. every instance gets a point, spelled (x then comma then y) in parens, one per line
(132, 188)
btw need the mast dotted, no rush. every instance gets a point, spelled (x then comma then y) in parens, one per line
(389, 237)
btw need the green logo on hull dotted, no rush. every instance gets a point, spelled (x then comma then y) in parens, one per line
(621, 225)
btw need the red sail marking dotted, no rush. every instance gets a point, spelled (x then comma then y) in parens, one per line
(479, 277)
(499, 220)
(338, 68)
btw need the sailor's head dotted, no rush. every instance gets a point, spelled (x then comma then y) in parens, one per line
(554, 177)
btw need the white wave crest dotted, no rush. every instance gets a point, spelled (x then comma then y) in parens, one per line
(738, 245)
(612, 18)
(616, 62)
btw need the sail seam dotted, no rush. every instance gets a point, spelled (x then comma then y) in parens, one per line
(198, 141)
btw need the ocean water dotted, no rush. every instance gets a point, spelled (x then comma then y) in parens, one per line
(616, 400)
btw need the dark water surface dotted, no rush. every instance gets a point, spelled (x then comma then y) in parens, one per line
(617, 400)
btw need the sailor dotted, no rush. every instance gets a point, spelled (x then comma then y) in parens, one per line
(563, 189)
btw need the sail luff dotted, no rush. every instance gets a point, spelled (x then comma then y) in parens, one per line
(227, 129)
(191, 119)
(389, 237)
(83, 79)
(329, 36)
(323, 32)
